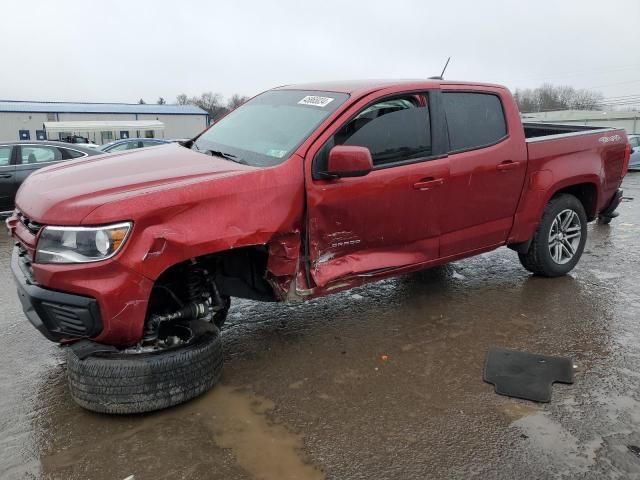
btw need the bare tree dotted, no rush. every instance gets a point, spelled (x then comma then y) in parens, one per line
(211, 103)
(161, 101)
(235, 101)
(548, 97)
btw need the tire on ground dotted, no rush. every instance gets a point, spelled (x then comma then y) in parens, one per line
(538, 259)
(136, 383)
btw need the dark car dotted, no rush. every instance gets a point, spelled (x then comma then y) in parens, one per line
(19, 159)
(130, 144)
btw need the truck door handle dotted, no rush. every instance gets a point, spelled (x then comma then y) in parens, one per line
(5, 175)
(428, 183)
(507, 165)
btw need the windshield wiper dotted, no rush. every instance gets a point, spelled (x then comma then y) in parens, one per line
(227, 156)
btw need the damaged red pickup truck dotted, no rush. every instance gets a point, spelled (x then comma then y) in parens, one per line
(131, 258)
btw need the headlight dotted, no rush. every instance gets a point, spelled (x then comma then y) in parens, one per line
(80, 244)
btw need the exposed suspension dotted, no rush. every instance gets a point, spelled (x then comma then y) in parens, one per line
(202, 297)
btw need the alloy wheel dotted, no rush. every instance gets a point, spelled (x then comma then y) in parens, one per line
(564, 236)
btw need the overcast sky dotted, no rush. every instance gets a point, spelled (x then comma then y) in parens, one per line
(119, 51)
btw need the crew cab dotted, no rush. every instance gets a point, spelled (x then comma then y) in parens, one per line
(303, 191)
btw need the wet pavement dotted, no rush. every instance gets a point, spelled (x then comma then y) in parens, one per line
(383, 382)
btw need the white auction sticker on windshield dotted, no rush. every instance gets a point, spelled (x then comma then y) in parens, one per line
(316, 101)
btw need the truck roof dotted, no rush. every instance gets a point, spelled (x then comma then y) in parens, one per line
(362, 87)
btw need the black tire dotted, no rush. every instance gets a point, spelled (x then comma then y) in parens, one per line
(538, 259)
(135, 383)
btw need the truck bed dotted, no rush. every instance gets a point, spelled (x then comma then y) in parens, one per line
(587, 155)
(537, 130)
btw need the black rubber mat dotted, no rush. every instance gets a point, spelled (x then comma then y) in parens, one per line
(526, 375)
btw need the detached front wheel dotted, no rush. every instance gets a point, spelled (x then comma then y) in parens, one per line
(135, 382)
(559, 241)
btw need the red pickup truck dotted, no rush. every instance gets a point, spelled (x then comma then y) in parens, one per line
(131, 259)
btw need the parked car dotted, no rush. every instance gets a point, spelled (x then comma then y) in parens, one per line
(302, 191)
(19, 159)
(131, 144)
(634, 162)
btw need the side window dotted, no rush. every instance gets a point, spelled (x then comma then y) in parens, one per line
(5, 156)
(146, 143)
(75, 153)
(393, 130)
(474, 119)
(39, 154)
(120, 147)
(634, 141)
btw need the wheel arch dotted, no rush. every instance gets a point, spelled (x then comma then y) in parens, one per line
(586, 193)
(529, 214)
(240, 272)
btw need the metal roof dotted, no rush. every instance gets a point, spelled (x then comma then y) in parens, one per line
(68, 107)
(102, 125)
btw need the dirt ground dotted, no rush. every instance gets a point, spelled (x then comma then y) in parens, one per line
(383, 382)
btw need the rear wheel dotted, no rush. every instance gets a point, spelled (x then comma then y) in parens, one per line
(559, 240)
(134, 381)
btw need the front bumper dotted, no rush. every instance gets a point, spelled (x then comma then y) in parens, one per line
(56, 315)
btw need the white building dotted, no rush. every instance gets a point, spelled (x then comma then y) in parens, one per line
(630, 121)
(104, 121)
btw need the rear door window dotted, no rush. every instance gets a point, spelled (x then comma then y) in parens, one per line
(475, 120)
(39, 154)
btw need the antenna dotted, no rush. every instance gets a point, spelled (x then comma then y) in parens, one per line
(441, 77)
(445, 68)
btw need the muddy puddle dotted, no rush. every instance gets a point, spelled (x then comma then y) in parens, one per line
(238, 420)
(227, 433)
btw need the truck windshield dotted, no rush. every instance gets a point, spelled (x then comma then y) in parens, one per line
(267, 129)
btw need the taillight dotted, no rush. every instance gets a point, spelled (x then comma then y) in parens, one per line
(625, 160)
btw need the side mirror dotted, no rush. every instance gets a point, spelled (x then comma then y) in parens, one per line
(349, 161)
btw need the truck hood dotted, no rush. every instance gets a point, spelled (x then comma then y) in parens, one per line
(66, 193)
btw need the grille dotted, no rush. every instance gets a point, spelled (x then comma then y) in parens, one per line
(33, 227)
(25, 262)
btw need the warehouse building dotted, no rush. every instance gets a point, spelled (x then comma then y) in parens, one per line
(99, 122)
(630, 121)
